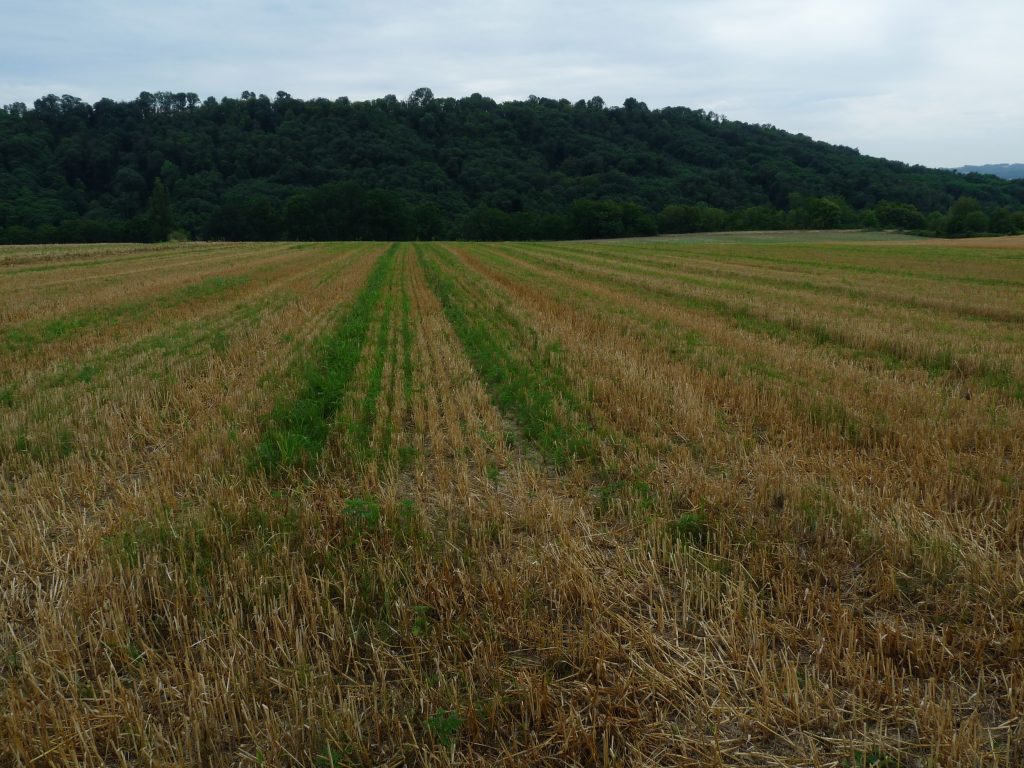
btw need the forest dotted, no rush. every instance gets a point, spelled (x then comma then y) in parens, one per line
(174, 166)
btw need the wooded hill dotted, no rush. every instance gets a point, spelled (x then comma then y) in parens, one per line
(170, 164)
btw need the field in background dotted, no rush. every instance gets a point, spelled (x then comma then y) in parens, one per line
(819, 237)
(753, 501)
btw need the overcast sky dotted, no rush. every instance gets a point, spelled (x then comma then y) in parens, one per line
(935, 82)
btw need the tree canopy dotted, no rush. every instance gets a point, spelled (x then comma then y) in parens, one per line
(426, 167)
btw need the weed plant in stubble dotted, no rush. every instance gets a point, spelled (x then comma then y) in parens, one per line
(444, 725)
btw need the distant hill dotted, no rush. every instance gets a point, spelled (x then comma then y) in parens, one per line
(1002, 170)
(424, 167)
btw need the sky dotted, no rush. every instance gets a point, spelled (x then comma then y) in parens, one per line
(934, 82)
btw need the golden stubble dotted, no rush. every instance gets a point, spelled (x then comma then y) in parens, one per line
(166, 603)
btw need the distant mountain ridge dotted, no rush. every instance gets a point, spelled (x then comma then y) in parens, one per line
(1002, 170)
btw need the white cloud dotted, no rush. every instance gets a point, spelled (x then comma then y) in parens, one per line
(923, 82)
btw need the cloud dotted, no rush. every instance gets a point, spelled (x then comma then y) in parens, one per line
(922, 82)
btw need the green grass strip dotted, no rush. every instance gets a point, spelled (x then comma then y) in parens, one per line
(892, 352)
(533, 389)
(361, 429)
(407, 341)
(297, 427)
(30, 335)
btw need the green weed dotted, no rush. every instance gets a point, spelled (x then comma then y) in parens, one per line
(443, 726)
(872, 759)
(690, 528)
(335, 757)
(362, 513)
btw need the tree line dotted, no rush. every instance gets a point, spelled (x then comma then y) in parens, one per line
(254, 168)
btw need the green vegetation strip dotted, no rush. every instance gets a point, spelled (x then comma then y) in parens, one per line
(361, 428)
(187, 340)
(826, 414)
(528, 382)
(30, 335)
(83, 260)
(725, 269)
(533, 389)
(407, 341)
(893, 352)
(298, 427)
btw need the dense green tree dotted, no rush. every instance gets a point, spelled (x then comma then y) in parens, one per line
(161, 220)
(637, 221)
(691, 218)
(246, 218)
(1000, 222)
(821, 213)
(486, 223)
(758, 217)
(966, 217)
(428, 222)
(898, 215)
(596, 218)
(434, 167)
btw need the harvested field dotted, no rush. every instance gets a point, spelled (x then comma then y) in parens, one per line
(750, 501)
